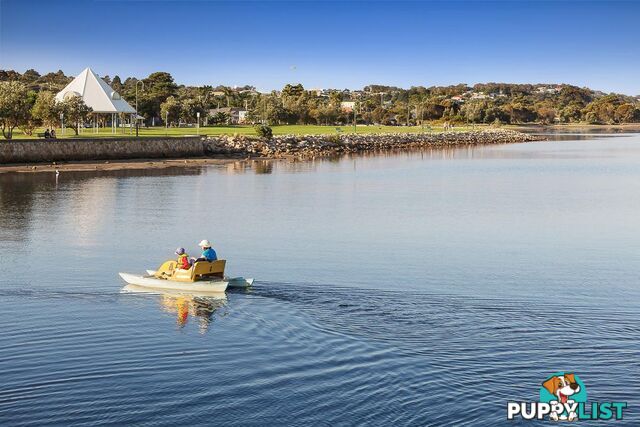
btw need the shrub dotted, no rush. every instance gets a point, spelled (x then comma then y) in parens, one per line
(264, 131)
(334, 139)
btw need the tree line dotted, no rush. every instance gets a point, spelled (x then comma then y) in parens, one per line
(27, 101)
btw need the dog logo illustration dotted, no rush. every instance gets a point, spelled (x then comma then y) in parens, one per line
(563, 397)
(566, 389)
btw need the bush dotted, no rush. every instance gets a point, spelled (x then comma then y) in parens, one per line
(334, 139)
(264, 131)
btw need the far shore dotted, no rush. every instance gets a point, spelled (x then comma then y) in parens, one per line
(585, 126)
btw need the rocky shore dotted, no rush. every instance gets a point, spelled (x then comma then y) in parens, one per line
(309, 146)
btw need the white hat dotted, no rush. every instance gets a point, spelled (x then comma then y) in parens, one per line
(205, 244)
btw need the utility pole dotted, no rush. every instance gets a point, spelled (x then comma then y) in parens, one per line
(408, 112)
(137, 81)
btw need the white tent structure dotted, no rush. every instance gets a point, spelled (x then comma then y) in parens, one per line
(98, 95)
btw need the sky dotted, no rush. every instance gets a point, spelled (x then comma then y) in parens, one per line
(330, 44)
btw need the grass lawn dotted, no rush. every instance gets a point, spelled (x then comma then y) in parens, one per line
(242, 130)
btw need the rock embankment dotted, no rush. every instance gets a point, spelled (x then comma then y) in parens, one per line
(306, 146)
(92, 149)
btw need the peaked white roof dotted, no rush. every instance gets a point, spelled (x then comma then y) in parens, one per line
(96, 93)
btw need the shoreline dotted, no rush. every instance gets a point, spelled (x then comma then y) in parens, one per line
(225, 150)
(123, 164)
(576, 126)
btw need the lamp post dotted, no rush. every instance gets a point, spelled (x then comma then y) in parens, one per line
(354, 118)
(198, 122)
(139, 81)
(62, 122)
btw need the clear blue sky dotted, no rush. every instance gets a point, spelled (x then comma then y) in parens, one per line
(337, 44)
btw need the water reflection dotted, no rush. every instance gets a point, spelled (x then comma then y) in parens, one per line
(202, 308)
(96, 195)
(263, 167)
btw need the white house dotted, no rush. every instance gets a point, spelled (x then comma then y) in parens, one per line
(347, 106)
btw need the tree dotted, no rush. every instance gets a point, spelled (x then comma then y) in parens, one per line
(170, 110)
(75, 111)
(572, 113)
(46, 109)
(546, 114)
(220, 118)
(29, 124)
(602, 110)
(30, 76)
(116, 84)
(627, 113)
(520, 112)
(14, 106)
(264, 131)
(54, 81)
(189, 109)
(8, 75)
(474, 110)
(157, 88)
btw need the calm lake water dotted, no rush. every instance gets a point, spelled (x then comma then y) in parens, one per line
(423, 288)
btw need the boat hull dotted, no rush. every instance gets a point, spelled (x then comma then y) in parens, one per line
(233, 282)
(162, 284)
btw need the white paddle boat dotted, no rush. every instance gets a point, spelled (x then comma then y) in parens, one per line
(203, 276)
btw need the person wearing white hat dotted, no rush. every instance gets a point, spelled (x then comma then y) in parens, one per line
(208, 254)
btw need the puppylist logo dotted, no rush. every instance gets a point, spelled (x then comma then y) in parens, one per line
(563, 397)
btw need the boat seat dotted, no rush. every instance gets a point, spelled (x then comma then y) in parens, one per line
(206, 269)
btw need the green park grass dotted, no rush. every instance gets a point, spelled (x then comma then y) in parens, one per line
(240, 130)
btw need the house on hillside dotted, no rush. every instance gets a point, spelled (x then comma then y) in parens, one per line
(549, 89)
(347, 106)
(237, 116)
(479, 95)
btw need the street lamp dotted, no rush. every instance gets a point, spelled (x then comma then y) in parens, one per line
(62, 122)
(198, 123)
(355, 130)
(138, 81)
